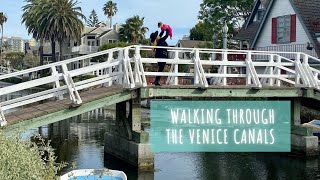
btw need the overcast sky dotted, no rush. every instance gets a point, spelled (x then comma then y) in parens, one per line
(181, 15)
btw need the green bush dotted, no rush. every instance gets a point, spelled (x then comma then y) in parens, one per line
(27, 160)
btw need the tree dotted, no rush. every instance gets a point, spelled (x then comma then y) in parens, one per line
(6, 45)
(93, 19)
(57, 20)
(217, 12)
(30, 17)
(15, 59)
(110, 9)
(3, 19)
(202, 32)
(133, 30)
(31, 60)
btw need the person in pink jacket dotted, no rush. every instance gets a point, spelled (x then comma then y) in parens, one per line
(165, 27)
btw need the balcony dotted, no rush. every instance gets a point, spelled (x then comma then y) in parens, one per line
(84, 49)
(304, 48)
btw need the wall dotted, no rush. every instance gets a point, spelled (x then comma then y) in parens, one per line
(280, 8)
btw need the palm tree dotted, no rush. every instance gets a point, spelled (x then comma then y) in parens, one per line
(110, 9)
(57, 20)
(133, 30)
(31, 13)
(3, 19)
(63, 21)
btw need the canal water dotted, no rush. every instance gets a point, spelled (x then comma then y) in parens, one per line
(80, 140)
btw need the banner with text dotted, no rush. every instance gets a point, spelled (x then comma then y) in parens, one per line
(220, 126)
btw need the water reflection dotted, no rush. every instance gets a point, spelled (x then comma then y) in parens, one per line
(81, 140)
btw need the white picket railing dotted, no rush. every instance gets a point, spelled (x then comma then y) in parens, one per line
(126, 66)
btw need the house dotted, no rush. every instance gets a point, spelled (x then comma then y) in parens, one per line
(92, 38)
(185, 42)
(283, 26)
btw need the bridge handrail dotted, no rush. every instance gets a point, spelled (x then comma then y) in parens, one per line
(144, 47)
(59, 63)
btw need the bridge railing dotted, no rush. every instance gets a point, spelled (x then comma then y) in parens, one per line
(127, 67)
(58, 79)
(274, 71)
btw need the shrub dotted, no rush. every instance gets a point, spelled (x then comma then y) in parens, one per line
(27, 160)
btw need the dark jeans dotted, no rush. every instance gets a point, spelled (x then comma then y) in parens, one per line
(161, 66)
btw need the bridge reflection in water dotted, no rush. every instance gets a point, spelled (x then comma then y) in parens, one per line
(80, 139)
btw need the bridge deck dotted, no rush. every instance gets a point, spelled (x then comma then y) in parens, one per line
(58, 105)
(56, 110)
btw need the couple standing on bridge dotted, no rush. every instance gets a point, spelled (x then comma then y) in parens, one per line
(158, 40)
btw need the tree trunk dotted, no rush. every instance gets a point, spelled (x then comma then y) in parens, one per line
(60, 50)
(1, 44)
(53, 49)
(41, 52)
(111, 22)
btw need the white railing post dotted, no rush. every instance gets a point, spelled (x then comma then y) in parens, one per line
(248, 75)
(271, 80)
(297, 71)
(3, 121)
(224, 71)
(201, 78)
(140, 68)
(120, 67)
(313, 81)
(129, 79)
(109, 70)
(74, 95)
(196, 69)
(57, 82)
(251, 72)
(137, 73)
(173, 80)
(176, 67)
(278, 72)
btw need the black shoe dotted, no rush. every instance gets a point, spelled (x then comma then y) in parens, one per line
(157, 84)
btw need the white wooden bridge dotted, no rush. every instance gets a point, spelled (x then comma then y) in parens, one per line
(124, 69)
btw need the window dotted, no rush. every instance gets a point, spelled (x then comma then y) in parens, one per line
(89, 43)
(91, 37)
(284, 29)
(98, 43)
(112, 41)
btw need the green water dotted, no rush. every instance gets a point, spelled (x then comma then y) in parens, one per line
(81, 140)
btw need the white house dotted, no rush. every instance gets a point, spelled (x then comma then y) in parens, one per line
(93, 38)
(283, 25)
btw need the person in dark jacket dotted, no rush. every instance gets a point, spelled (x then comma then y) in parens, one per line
(162, 53)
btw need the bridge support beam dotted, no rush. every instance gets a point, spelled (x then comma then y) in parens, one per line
(132, 146)
(302, 139)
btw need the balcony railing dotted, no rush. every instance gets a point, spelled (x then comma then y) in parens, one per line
(304, 48)
(84, 49)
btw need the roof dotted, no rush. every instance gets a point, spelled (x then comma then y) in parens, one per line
(190, 43)
(105, 32)
(249, 32)
(250, 28)
(310, 15)
(305, 10)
